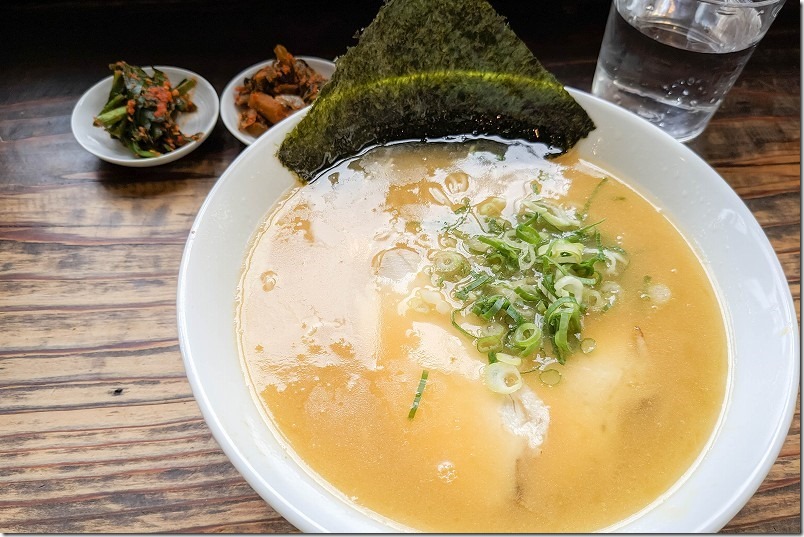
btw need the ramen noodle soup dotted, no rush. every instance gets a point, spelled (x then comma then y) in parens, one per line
(396, 341)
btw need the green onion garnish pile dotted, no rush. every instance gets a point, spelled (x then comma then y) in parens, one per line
(524, 284)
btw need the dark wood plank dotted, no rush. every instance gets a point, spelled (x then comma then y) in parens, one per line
(99, 431)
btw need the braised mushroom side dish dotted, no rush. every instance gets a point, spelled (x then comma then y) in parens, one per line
(276, 91)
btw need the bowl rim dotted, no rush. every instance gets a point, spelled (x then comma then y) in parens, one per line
(713, 520)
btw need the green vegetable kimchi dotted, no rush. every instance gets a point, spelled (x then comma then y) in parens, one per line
(141, 110)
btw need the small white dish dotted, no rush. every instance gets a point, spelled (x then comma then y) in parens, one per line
(230, 111)
(747, 275)
(98, 142)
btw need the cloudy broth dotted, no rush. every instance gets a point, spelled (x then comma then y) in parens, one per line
(335, 352)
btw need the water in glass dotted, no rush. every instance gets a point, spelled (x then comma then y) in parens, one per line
(673, 67)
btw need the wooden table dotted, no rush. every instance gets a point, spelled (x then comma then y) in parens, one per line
(99, 431)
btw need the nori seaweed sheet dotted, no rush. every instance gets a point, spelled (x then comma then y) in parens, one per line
(431, 69)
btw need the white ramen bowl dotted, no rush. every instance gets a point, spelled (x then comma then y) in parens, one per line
(761, 322)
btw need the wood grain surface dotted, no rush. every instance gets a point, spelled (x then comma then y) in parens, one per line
(99, 430)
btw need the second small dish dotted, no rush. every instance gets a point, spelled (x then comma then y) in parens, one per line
(230, 112)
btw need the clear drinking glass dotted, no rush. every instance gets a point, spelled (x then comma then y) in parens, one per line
(673, 61)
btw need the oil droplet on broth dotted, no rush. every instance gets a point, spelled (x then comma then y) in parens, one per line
(457, 182)
(439, 196)
(447, 472)
(413, 228)
(396, 263)
(268, 279)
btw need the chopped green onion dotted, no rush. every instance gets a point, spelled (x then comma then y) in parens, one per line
(562, 316)
(475, 245)
(502, 378)
(496, 225)
(612, 257)
(554, 215)
(479, 281)
(562, 251)
(456, 325)
(494, 329)
(528, 282)
(569, 285)
(527, 337)
(528, 234)
(585, 210)
(513, 314)
(489, 306)
(418, 397)
(528, 292)
(488, 344)
(508, 359)
(451, 266)
(510, 255)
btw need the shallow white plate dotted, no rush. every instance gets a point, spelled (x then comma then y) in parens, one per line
(230, 111)
(98, 142)
(747, 275)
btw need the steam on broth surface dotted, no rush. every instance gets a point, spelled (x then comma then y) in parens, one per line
(334, 345)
